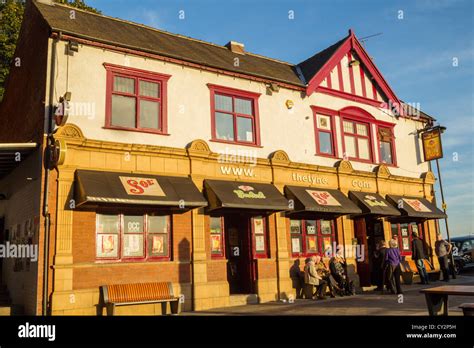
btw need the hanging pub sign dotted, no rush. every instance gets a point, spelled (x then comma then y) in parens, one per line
(432, 148)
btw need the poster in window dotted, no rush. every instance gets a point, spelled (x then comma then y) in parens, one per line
(326, 227)
(311, 226)
(216, 244)
(107, 245)
(295, 226)
(414, 228)
(296, 245)
(312, 244)
(404, 231)
(259, 244)
(406, 243)
(158, 245)
(133, 245)
(326, 243)
(258, 225)
(432, 148)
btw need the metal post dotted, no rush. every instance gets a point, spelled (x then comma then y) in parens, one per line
(444, 210)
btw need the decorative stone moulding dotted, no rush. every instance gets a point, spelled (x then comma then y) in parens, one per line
(280, 157)
(198, 147)
(428, 178)
(382, 171)
(69, 130)
(344, 166)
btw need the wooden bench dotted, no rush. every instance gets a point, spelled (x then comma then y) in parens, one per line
(408, 268)
(141, 293)
(437, 298)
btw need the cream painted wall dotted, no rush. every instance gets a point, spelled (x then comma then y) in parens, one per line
(189, 110)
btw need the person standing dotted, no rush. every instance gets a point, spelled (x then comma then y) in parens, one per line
(311, 278)
(393, 258)
(378, 264)
(418, 255)
(442, 250)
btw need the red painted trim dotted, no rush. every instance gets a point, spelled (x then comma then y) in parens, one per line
(137, 74)
(351, 73)
(339, 75)
(176, 61)
(332, 115)
(232, 92)
(362, 81)
(328, 66)
(352, 97)
(393, 142)
(374, 91)
(329, 81)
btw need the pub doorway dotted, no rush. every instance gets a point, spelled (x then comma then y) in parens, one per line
(240, 270)
(368, 231)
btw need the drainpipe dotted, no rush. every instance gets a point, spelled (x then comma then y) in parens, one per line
(46, 214)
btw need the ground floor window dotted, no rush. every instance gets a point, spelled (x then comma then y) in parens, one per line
(129, 237)
(403, 232)
(217, 236)
(310, 237)
(259, 234)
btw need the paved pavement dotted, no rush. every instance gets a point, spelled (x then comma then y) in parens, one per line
(367, 303)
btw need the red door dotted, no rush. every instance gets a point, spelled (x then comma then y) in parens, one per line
(363, 266)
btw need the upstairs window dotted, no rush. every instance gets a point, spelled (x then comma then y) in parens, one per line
(356, 140)
(325, 132)
(136, 100)
(386, 145)
(234, 116)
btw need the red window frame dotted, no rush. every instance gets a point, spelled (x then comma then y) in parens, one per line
(331, 114)
(259, 254)
(319, 237)
(220, 255)
(410, 235)
(358, 136)
(392, 144)
(235, 93)
(137, 75)
(121, 234)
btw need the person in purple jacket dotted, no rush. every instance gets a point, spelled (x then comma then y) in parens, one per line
(393, 259)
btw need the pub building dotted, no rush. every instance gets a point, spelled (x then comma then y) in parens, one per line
(122, 179)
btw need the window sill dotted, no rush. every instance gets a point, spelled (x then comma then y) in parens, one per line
(389, 165)
(234, 143)
(361, 160)
(327, 156)
(137, 130)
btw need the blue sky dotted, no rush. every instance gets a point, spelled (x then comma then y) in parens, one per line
(416, 53)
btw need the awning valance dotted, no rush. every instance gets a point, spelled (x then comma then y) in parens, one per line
(325, 201)
(94, 187)
(244, 195)
(416, 207)
(373, 203)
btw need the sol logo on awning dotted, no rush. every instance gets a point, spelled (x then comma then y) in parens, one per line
(141, 186)
(246, 191)
(373, 202)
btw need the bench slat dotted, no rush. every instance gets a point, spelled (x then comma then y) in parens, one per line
(139, 292)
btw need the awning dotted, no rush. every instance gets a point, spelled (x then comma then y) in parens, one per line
(373, 203)
(416, 207)
(310, 199)
(244, 195)
(11, 155)
(94, 187)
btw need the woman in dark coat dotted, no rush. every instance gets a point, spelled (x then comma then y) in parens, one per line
(378, 264)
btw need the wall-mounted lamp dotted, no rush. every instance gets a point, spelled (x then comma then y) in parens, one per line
(354, 62)
(274, 87)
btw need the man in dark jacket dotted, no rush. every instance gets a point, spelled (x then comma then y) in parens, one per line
(418, 255)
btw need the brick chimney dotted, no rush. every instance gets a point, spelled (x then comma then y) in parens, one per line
(236, 47)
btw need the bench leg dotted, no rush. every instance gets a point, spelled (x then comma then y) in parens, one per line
(437, 304)
(164, 309)
(174, 305)
(110, 309)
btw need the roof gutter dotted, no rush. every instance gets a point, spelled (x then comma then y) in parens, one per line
(90, 41)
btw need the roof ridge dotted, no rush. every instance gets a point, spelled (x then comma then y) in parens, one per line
(168, 33)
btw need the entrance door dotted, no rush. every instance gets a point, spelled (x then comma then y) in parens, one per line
(368, 232)
(239, 251)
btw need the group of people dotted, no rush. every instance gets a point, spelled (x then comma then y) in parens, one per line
(317, 278)
(387, 262)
